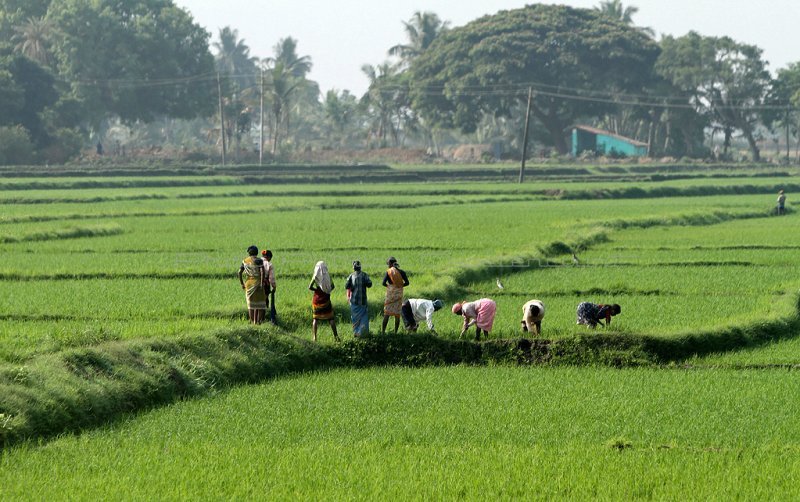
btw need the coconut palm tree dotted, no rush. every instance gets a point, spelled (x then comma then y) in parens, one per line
(286, 55)
(233, 58)
(421, 30)
(287, 77)
(384, 101)
(33, 39)
(341, 113)
(282, 86)
(615, 9)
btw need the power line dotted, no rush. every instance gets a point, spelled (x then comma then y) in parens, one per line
(511, 90)
(520, 90)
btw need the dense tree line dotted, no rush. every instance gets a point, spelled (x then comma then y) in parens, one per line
(142, 72)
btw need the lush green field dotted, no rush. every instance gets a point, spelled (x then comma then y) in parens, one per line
(473, 433)
(156, 267)
(692, 258)
(178, 252)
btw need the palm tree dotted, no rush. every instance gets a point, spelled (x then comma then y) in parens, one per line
(33, 39)
(233, 58)
(385, 102)
(340, 112)
(615, 9)
(287, 77)
(282, 86)
(421, 30)
(286, 55)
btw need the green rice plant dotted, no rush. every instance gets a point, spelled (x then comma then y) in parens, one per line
(64, 233)
(693, 273)
(461, 432)
(161, 245)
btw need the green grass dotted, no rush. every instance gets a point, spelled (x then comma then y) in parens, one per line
(151, 310)
(171, 267)
(442, 433)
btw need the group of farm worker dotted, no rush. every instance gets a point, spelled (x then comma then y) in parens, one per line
(257, 277)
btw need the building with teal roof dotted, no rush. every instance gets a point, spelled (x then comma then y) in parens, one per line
(600, 142)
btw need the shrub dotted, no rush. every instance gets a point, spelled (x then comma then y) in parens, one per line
(66, 144)
(15, 146)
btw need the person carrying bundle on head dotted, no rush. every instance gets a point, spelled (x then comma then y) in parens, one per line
(321, 306)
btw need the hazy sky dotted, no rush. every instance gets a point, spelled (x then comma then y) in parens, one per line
(342, 35)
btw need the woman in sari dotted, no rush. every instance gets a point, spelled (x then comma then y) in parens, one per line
(356, 286)
(321, 307)
(394, 280)
(592, 314)
(253, 268)
(479, 313)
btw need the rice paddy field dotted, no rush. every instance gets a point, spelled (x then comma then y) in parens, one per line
(694, 255)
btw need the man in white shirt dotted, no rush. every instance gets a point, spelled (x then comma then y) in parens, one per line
(417, 309)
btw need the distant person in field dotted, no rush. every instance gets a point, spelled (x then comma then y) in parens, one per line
(394, 280)
(321, 307)
(253, 268)
(781, 203)
(532, 315)
(592, 314)
(479, 313)
(417, 309)
(269, 284)
(356, 287)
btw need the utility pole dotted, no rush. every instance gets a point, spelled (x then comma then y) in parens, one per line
(221, 118)
(787, 133)
(261, 122)
(525, 136)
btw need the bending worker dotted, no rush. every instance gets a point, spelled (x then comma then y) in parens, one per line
(532, 315)
(417, 309)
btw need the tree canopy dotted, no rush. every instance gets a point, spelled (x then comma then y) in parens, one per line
(566, 54)
(727, 79)
(106, 47)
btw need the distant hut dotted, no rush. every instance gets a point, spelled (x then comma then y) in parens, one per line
(585, 138)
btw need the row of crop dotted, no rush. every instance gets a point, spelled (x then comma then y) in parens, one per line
(634, 192)
(187, 169)
(346, 176)
(668, 191)
(174, 171)
(65, 233)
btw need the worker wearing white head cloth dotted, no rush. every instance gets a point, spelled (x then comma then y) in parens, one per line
(532, 315)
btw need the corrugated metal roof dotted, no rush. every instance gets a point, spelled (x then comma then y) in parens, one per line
(595, 130)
